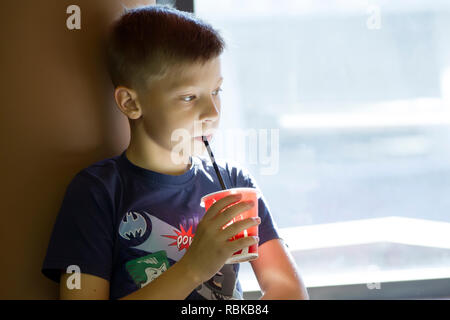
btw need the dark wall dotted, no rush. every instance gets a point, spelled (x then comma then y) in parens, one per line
(57, 116)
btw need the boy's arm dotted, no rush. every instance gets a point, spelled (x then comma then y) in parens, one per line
(277, 273)
(174, 284)
(91, 288)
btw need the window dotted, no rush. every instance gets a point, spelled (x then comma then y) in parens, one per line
(360, 96)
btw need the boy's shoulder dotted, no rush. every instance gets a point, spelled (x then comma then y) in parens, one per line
(103, 168)
(105, 172)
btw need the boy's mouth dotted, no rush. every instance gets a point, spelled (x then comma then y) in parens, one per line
(199, 138)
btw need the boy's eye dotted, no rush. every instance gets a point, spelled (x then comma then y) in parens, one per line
(188, 99)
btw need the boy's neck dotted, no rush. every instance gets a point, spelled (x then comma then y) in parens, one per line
(155, 161)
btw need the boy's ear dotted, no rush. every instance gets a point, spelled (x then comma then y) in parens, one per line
(127, 101)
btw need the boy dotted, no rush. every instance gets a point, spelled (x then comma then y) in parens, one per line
(128, 223)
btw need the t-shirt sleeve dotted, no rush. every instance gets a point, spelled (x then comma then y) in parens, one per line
(83, 232)
(268, 228)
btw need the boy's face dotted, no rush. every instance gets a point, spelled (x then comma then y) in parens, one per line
(183, 105)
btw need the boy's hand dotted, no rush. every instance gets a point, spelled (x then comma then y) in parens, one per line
(210, 247)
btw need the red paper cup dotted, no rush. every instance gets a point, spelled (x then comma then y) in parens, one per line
(248, 194)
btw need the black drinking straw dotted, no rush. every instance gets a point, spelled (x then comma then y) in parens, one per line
(205, 141)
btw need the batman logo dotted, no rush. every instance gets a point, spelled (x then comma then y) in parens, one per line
(134, 228)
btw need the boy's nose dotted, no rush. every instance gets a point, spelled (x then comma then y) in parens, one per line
(211, 112)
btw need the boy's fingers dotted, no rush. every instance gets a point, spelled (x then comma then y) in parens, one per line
(237, 227)
(241, 243)
(224, 217)
(222, 203)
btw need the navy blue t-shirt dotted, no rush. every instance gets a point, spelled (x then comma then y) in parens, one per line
(128, 225)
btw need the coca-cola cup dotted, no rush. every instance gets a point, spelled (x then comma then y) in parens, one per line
(248, 194)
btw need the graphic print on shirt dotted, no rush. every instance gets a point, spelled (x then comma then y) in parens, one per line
(145, 269)
(143, 231)
(134, 228)
(148, 233)
(182, 239)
